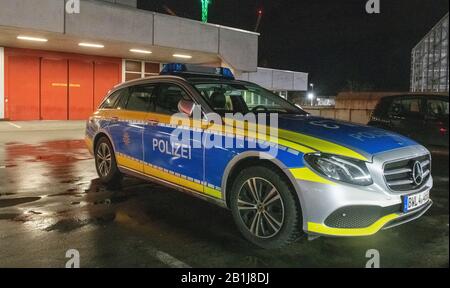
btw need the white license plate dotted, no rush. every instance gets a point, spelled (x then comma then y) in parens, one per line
(415, 201)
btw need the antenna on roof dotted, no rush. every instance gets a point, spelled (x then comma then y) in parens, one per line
(258, 21)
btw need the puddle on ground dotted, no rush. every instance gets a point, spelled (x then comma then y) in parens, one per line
(9, 216)
(17, 201)
(51, 152)
(68, 225)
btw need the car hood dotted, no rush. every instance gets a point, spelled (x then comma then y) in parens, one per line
(327, 135)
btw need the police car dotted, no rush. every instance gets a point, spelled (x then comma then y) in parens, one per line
(327, 178)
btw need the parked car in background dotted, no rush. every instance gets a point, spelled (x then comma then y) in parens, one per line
(422, 117)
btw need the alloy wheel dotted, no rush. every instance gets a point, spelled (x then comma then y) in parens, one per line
(104, 159)
(261, 207)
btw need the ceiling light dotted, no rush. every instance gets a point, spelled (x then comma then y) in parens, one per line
(28, 38)
(182, 56)
(91, 45)
(140, 51)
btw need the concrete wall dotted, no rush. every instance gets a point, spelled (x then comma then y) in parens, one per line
(2, 83)
(131, 3)
(185, 34)
(45, 15)
(360, 116)
(361, 100)
(239, 48)
(101, 20)
(277, 80)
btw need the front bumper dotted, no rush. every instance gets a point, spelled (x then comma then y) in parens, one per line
(338, 209)
(345, 210)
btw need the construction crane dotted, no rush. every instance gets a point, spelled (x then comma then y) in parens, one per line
(205, 8)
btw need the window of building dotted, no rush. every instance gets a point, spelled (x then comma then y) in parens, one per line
(135, 69)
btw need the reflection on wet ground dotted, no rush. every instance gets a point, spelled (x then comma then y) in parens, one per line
(52, 201)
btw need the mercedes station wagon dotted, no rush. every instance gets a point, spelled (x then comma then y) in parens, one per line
(327, 178)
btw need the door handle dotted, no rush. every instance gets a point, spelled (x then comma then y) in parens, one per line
(152, 122)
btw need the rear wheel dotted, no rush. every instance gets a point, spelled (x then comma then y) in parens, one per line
(105, 162)
(265, 209)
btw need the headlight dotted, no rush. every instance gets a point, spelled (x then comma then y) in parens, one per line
(340, 168)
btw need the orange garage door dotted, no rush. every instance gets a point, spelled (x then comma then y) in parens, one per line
(81, 89)
(107, 74)
(56, 86)
(53, 89)
(22, 87)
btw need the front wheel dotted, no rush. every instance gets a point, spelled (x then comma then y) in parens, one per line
(105, 162)
(265, 209)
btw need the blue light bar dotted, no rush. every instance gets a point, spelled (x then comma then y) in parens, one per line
(179, 68)
(226, 72)
(173, 68)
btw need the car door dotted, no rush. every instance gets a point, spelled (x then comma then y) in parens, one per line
(406, 117)
(177, 162)
(127, 126)
(436, 121)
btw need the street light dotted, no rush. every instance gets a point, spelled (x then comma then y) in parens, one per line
(311, 94)
(311, 97)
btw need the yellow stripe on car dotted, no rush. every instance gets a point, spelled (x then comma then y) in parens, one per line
(128, 162)
(308, 175)
(372, 229)
(320, 145)
(293, 140)
(153, 171)
(89, 144)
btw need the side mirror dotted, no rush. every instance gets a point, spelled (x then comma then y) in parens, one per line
(186, 107)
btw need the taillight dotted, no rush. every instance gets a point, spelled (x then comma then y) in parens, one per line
(443, 131)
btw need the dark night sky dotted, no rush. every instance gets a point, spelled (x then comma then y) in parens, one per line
(335, 41)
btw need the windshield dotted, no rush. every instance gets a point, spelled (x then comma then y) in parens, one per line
(244, 98)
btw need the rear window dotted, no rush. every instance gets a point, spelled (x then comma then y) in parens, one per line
(437, 109)
(110, 102)
(140, 98)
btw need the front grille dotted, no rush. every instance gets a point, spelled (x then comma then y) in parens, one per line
(399, 174)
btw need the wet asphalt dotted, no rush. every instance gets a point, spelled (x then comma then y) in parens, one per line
(51, 201)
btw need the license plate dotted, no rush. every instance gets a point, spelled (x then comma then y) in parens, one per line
(415, 201)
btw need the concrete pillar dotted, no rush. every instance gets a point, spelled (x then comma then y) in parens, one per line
(2, 83)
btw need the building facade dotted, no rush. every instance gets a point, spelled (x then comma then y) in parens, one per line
(429, 64)
(58, 63)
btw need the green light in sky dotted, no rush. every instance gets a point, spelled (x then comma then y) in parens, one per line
(205, 7)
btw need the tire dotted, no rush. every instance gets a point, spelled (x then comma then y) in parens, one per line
(105, 163)
(280, 218)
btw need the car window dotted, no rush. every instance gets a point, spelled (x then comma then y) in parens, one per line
(167, 99)
(243, 98)
(140, 97)
(110, 102)
(437, 109)
(406, 107)
(121, 103)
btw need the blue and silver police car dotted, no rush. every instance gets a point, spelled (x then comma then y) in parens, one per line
(328, 178)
